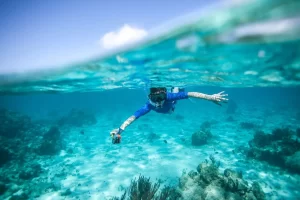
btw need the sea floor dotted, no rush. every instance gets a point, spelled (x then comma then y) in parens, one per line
(158, 146)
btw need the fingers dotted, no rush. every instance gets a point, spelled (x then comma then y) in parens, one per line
(224, 99)
(220, 96)
(223, 95)
(115, 131)
(221, 99)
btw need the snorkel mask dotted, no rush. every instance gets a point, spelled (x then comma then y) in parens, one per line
(157, 96)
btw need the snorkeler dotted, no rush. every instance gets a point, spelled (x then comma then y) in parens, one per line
(162, 101)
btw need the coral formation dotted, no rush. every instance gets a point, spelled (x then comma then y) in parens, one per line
(279, 148)
(202, 136)
(293, 162)
(5, 156)
(13, 124)
(298, 132)
(31, 171)
(3, 188)
(51, 143)
(19, 172)
(144, 189)
(15, 129)
(206, 183)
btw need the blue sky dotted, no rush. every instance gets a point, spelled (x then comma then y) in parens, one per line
(37, 33)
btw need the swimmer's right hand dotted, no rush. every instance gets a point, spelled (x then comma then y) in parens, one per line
(113, 132)
(116, 135)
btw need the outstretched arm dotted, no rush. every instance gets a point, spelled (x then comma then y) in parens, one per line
(116, 133)
(145, 109)
(216, 98)
(126, 123)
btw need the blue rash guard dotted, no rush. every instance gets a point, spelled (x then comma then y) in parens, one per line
(167, 106)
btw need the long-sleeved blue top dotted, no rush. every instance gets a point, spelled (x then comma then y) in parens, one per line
(167, 106)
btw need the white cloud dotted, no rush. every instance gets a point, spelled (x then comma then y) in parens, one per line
(125, 35)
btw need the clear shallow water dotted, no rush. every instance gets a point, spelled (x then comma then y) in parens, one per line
(92, 168)
(256, 63)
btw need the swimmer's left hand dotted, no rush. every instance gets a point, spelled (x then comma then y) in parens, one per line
(219, 98)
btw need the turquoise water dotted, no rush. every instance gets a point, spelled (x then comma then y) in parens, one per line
(251, 51)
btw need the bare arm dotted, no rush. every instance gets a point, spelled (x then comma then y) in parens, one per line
(142, 111)
(216, 98)
(127, 122)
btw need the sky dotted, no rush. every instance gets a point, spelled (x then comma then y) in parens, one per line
(35, 34)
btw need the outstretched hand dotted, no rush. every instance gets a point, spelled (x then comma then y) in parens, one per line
(113, 132)
(219, 98)
(115, 136)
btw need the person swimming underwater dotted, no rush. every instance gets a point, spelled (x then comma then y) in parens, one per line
(162, 101)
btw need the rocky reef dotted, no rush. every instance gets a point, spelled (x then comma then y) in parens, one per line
(5, 156)
(15, 129)
(144, 189)
(30, 171)
(51, 143)
(13, 124)
(202, 136)
(23, 144)
(207, 183)
(298, 132)
(280, 148)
